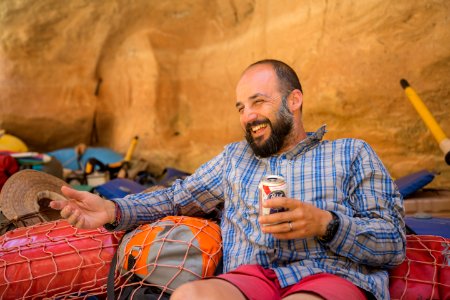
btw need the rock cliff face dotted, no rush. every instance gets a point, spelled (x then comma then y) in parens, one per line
(166, 71)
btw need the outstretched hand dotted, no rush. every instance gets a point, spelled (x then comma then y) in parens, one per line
(301, 220)
(84, 209)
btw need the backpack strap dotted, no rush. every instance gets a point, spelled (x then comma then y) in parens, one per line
(110, 282)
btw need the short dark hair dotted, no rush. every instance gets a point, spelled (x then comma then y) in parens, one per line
(287, 78)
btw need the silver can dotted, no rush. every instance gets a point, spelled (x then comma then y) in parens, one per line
(271, 186)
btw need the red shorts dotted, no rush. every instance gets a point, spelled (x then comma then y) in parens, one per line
(258, 283)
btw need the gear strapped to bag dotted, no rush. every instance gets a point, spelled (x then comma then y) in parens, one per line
(55, 260)
(161, 256)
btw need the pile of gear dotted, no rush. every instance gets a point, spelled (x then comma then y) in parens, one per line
(48, 258)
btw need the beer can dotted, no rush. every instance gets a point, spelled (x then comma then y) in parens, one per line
(271, 186)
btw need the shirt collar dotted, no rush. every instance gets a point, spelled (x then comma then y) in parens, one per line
(311, 140)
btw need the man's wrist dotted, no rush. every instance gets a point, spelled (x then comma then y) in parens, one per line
(331, 229)
(113, 212)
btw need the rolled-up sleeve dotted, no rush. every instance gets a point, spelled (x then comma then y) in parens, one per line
(197, 195)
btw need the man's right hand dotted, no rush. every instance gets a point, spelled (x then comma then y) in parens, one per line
(85, 210)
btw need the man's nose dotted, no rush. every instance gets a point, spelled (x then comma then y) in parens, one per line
(249, 116)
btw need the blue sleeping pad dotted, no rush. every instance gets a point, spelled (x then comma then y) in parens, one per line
(407, 185)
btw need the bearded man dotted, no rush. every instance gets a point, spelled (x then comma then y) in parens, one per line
(342, 223)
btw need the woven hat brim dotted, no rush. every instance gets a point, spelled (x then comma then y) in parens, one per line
(22, 191)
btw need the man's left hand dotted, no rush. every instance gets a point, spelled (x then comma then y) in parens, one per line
(300, 220)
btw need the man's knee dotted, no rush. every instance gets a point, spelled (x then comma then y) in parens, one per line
(207, 289)
(191, 290)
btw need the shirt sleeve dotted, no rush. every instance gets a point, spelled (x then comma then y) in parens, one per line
(375, 234)
(197, 195)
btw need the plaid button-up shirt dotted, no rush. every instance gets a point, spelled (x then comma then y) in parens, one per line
(344, 176)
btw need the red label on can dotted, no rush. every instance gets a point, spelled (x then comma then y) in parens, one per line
(271, 186)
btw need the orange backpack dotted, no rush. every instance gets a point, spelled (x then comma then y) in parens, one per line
(170, 252)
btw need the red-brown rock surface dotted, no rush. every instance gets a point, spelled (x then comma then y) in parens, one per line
(168, 71)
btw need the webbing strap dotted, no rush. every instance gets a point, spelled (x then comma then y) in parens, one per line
(110, 295)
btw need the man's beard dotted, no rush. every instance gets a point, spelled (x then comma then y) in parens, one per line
(278, 133)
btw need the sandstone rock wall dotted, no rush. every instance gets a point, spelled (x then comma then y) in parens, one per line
(166, 71)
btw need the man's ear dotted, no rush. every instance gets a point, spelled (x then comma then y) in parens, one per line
(295, 100)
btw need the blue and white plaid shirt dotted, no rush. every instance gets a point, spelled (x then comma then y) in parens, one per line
(344, 176)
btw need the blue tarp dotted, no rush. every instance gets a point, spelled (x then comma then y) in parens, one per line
(69, 160)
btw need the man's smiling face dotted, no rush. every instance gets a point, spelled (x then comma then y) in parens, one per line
(264, 114)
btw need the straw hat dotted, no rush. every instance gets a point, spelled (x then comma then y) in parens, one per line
(29, 191)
